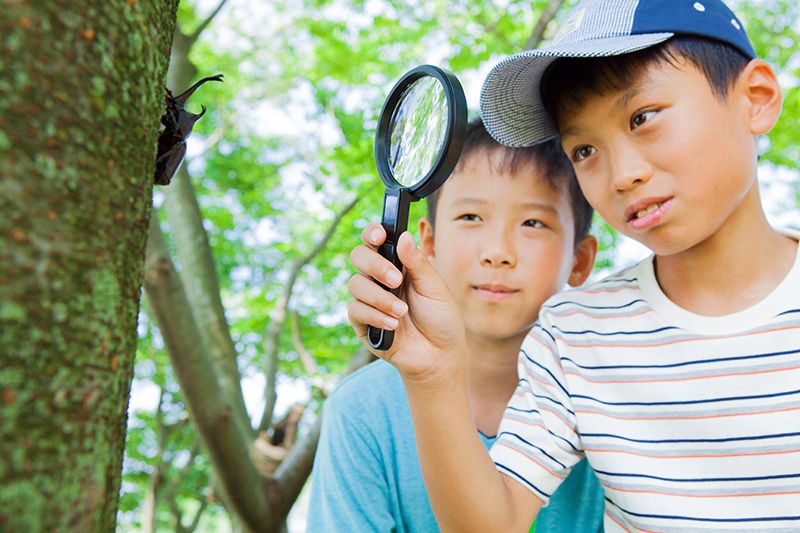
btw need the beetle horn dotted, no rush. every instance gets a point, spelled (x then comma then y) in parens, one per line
(184, 96)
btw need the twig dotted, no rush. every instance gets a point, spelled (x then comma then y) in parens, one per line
(279, 312)
(203, 25)
(548, 14)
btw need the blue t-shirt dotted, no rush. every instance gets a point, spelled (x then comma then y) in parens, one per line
(367, 476)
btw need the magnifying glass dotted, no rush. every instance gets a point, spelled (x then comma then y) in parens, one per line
(419, 139)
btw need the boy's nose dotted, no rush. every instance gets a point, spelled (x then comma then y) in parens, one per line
(629, 169)
(498, 250)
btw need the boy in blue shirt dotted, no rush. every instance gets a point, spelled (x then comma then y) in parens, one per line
(509, 228)
(676, 378)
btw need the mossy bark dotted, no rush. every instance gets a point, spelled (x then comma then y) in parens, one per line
(81, 93)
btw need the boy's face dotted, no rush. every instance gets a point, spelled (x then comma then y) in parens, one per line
(503, 243)
(666, 162)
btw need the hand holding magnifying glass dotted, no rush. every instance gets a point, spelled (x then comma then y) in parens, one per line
(419, 139)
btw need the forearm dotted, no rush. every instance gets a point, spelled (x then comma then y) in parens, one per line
(466, 490)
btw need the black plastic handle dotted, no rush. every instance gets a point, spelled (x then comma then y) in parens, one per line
(396, 203)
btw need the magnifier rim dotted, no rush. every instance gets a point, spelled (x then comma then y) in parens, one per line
(450, 150)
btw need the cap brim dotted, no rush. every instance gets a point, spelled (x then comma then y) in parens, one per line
(511, 104)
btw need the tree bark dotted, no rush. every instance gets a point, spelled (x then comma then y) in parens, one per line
(81, 94)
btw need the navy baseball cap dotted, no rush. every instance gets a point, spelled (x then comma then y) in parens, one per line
(511, 104)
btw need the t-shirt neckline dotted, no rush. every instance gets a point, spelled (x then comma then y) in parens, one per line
(775, 302)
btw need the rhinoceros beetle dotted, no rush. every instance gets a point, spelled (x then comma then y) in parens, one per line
(178, 124)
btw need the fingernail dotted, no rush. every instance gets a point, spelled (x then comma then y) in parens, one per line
(375, 236)
(390, 322)
(393, 277)
(399, 308)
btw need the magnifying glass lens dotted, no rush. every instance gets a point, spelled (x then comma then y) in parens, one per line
(417, 131)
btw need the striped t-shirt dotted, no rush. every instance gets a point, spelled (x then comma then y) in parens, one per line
(691, 422)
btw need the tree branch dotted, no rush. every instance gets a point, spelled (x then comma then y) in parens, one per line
(279, 312)
(180, 476)
(149, 507)
(305, 356)
(210, 142)
(196, 520)
(548, 14)
(177, 515)
(292, 473)
(223, 439)
(203, 25)
(199, 278)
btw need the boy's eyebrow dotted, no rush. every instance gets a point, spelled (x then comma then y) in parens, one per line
(526, 205)
(628, 94)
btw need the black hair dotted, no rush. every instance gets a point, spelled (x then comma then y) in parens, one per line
(568, 81)
(548, 157)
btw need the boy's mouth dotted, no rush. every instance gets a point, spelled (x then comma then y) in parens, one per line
(646, 212)
(494, 292)
(644, 207)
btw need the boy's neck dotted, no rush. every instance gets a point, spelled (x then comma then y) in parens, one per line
(492, 378)
(732, 270)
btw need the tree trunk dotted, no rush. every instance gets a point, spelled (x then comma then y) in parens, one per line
(81, 94)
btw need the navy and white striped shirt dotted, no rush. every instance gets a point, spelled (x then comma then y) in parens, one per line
(691, 422)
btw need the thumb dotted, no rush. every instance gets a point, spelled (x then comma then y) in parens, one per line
(419, 269)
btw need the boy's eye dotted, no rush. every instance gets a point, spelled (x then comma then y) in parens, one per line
(582, 152)
(533, 223)
(469, 217)
(640, 118)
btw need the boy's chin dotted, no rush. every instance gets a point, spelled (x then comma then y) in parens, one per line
(663, 241)
(499, 330)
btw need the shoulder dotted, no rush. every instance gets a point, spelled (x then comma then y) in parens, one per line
(369, 412)
(619, 291)
(377, 385)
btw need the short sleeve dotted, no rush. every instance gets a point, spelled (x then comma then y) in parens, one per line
(348, 487)
(538, 441)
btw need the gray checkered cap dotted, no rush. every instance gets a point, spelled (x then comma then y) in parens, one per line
(511, 105)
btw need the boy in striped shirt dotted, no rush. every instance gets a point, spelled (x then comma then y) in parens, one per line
(678, 378)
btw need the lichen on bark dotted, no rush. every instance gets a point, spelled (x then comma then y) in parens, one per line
(80, 99)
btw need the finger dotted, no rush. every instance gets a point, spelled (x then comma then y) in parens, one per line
(373, 235)
(361, 315)
(419, 269)
(366, 290)
(370, 263)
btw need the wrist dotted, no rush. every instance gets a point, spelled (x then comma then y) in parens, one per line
(449, 376)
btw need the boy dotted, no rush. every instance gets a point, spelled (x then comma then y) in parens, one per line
(507, 230)
(677, 378)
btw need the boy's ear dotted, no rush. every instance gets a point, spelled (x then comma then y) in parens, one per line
(583, 261)
(426, 237)
(763, 95)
